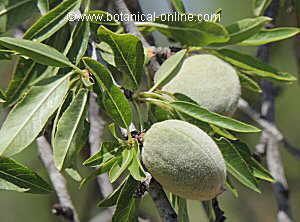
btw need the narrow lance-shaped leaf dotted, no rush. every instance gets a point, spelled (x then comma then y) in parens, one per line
(121, 165)
(236, 165)
(259, 6)
(135, 168)
(52, 21)
(204, 115)
(21, 178)
(2, 97)
(251, 65)
(126, 204)
(191, 32)
(67, 140)
(270, 35)
(128, 55)
(258, 170)
(115, 102)
(169, 69)
(183, 215)
(249, 83)
(29, 116)
(245, 28)
(39, 52)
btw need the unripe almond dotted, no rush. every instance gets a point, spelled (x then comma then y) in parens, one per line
(208, 80)
(184, 160)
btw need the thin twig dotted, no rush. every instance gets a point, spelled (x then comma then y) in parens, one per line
(274, 161)
(65, 207)
(269, 127)
(158, 195)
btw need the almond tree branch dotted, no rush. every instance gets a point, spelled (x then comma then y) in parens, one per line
(155, 190)
(65, 208)
(274, 161)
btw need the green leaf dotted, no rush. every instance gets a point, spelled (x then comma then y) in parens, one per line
(204, 115)
(257, 169)
(107, 151)
(128, 54)
(252, 65)
(79, 42)
(39, 52)
(112, 199)
(245, 28)
(126, 204)
(270, 35)
(5, 185)
(169, 69)
(74, 174)
(236, 165)
(21, 177)
(115, 102)
(259, 6)
(68, 140)
(52, 21)
(135, 168)
(179, 6)
(15, 12)
(183, 215)
(43, 6)
(29, 116)
(223, 132)
(102, 18)
(103, 168)
(249, 83)
(191, 32)
(121, 165)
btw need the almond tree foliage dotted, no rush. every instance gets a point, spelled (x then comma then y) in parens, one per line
(61, 64)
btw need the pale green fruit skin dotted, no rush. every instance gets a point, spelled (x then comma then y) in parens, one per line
(184, 160)
(209, 81)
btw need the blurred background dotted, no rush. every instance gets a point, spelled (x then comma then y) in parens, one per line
(249, 206)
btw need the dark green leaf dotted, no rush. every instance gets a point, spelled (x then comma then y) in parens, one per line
(245, 28)
(29, 116)
(52, 21)
(126, 204)
(257, 169)
(39, 52)
(102, 18)
(168, 70)
(121, 165)
(178, 5)
(128, 54)
(68, 140)
(259, 6)
(270, 35)
(21, 177)
(252, 65)
(190, 32)
(2, 97)
(79, 42)
(204, 115)
(236, 165)
(249, 83)
(135, 168)
(112, 199)
(115, 102)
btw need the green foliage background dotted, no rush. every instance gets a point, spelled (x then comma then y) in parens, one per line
(250, 206)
